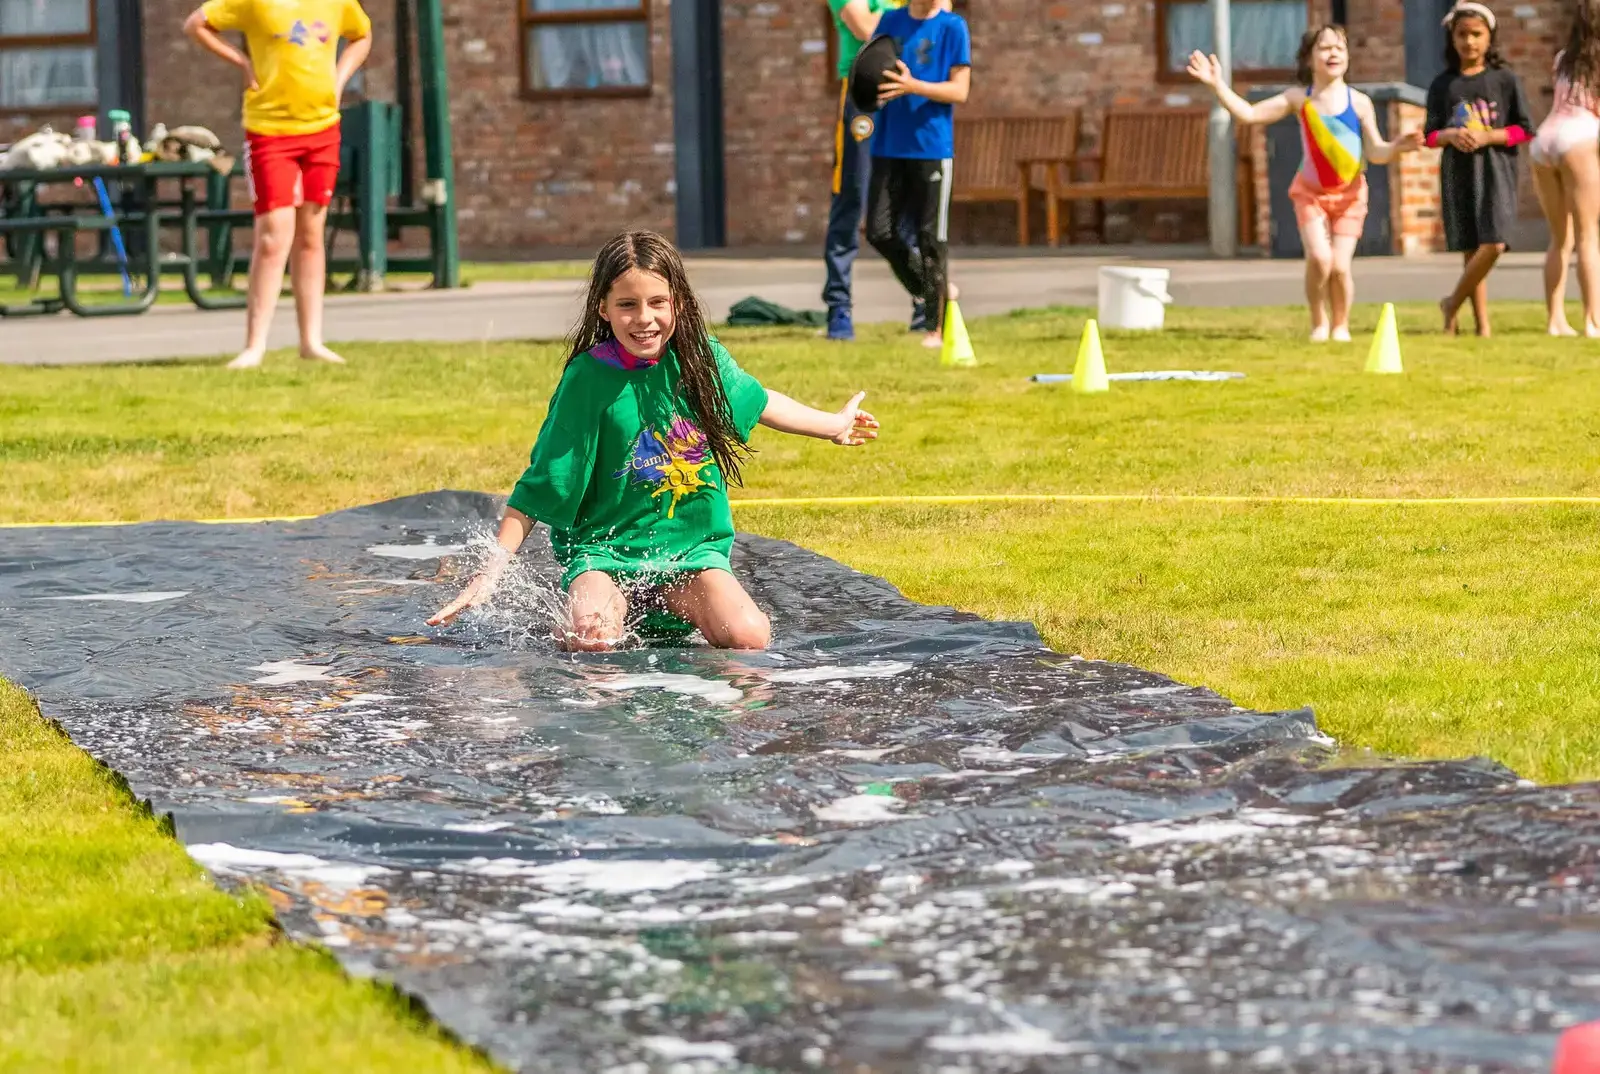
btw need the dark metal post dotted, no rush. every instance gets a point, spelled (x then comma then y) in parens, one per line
(697, 123)
(439, 190)
(119, 61)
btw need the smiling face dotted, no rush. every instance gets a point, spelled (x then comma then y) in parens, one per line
(1330, 59)
(639, 309)
(1471, 37)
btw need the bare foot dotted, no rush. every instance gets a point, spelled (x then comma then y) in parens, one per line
(319, 352)
(1483, 331)
(1319, 333)
(952, 290)
(1561, 328)
(933, 341)
(1591, 329)
(1449, 316)
(249, 358)
(1341, 334)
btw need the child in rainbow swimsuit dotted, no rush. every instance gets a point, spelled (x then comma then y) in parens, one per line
(1339, 134)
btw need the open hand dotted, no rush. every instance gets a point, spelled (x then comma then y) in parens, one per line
(479, 590)
(856, 426)
(1206, 69)
(1409, 142)
(896, 83)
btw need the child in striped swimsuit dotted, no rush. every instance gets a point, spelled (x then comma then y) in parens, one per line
(1339, 133)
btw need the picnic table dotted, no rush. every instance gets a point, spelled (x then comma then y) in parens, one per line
(143, 203)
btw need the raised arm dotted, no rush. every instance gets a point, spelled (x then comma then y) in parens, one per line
(859, 19)
(849, 427)
(1207, 70)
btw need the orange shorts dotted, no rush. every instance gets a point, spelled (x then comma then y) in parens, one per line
(1344, 211)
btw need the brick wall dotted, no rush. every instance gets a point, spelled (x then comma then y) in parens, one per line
(563, 173)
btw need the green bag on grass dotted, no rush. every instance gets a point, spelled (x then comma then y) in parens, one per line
(756, 312)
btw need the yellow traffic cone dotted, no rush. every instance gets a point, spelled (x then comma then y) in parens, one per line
(1384, 357)
(957, 348)
(1089, 375)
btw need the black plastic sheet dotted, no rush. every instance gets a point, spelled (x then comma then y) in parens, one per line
(904, 840)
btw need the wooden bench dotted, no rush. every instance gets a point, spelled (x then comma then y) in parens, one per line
(989, 155)
(1145, 154)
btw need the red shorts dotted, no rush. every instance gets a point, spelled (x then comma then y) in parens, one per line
(287, 170)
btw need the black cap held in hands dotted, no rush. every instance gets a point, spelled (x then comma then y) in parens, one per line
(876, 59)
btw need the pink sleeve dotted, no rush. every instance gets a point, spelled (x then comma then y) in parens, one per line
(1433, 137)
(1516, 136)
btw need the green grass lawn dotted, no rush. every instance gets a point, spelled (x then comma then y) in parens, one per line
(1425, 630)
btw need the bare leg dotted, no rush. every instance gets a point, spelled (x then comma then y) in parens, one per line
(597, 615)
(310, 268)
(1580, 173)
(1547, 183)
(1474, 285)
(268, 255)
(1342, 285)
(1315, 239)
(717, 604)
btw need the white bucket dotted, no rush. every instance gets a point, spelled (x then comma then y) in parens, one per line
(1133, 297)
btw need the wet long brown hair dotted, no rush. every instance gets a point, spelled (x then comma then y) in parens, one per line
(1579, 62)
(1308, 45)
(699, 384)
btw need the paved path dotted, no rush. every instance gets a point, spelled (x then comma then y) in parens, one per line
(546, 309)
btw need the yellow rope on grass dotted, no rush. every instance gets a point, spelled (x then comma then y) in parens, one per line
(1000, 498)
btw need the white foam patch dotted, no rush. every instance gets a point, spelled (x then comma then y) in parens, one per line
(227, 858)
(876, 669)
(478, 826)
(1247, 824)
(677, 1048)
(284, 672)
(363, 699)
(713, 690)
(428, 549)
(1025, 1040)
(860, 809)
(153, 597)
(610, 877)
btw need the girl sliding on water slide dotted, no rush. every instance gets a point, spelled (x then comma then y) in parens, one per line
(1339, 133)
(644, 432)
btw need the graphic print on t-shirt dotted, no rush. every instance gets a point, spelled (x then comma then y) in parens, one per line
(1476, 115)
(674, 463)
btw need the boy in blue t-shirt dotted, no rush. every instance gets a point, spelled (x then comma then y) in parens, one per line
(913, 147)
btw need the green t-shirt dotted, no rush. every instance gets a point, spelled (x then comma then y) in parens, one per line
(623, 477)
(848, 45)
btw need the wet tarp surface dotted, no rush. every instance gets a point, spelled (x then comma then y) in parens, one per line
(904, 840)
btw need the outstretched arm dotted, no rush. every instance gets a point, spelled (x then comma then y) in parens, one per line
(198, 28)
(1377, 149)
(1208, 71)
(849, 427)
(514, 529)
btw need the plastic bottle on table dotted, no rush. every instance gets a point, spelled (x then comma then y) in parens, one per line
(128, 151)
(85, 129)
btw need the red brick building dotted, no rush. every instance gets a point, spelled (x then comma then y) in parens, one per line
(563, 109)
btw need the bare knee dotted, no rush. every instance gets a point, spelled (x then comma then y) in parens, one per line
(750, 629)
(308, 240)
(273, 239)
(1319, 265)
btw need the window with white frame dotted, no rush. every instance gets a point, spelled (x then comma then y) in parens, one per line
(585, 47)
(47, 55)
(1266, 34)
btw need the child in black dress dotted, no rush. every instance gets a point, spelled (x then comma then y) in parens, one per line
(1478, 113)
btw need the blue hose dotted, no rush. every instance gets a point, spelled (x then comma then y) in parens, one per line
(116, 235)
